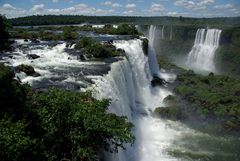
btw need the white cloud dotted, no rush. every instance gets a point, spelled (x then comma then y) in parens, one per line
(116, 5)
(107, 3)
(55, 1)
(224, 6)
(129, 12)
(194, 4)
(155, 7)
(10, 11)
(195, 8)
(8, 6)
(131, 5)
(111, 4)
(37, 8)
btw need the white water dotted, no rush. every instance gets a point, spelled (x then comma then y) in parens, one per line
(154, 37)
(51, 59)
(153, 64)
(202, 55)
(163, 32)
(128, 86)
(171, 33)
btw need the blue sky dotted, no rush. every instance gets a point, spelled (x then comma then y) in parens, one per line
(189, 8)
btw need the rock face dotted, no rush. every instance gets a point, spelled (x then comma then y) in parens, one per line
(171, 112)
(33, 56)
(156, 81)
(29, 70)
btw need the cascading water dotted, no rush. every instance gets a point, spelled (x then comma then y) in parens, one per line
(171, 33)
(163, 32)
(128, 86)
(202, 55)
(154, 36)
(153, 64)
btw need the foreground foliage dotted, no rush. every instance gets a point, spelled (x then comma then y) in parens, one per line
(4, 26)
(55, 124)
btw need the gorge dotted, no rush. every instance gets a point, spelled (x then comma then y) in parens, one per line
(126, 81)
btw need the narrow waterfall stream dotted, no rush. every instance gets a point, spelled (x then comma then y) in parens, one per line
(202, 55)
(154, 67)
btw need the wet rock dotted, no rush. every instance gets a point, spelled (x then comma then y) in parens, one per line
(69, 44)
(121, 51)
(170, 100)
(171, 112)
(29, 70)
(156, 81)
(33, 56)
(81, 57)
(35, 40)
(25, 40)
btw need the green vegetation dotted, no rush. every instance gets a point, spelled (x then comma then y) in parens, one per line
(96, 49)
(4, 26)
(178, 40)
(229, 51)
(172, 111)
(165, 63)
(55, 124)
(71, 19)
(211, 95)
(69, 33)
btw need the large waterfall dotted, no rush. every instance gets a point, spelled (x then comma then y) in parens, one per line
(128, 86)
(202, 55)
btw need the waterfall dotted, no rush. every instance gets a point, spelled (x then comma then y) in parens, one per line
(153, 64)
(128, 86)
(171, 34)
(163, 32)
(202, 55)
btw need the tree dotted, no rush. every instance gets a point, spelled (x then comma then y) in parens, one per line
(77, 126)
(4, 26)
(69, 33)
(14, 140)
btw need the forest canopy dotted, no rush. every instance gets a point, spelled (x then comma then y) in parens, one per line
(78, 19)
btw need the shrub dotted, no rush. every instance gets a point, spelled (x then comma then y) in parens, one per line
(78, 126)
(14, 140)
(69, 33)
(95, 48)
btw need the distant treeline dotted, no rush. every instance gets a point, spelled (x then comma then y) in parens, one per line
(78, 19)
